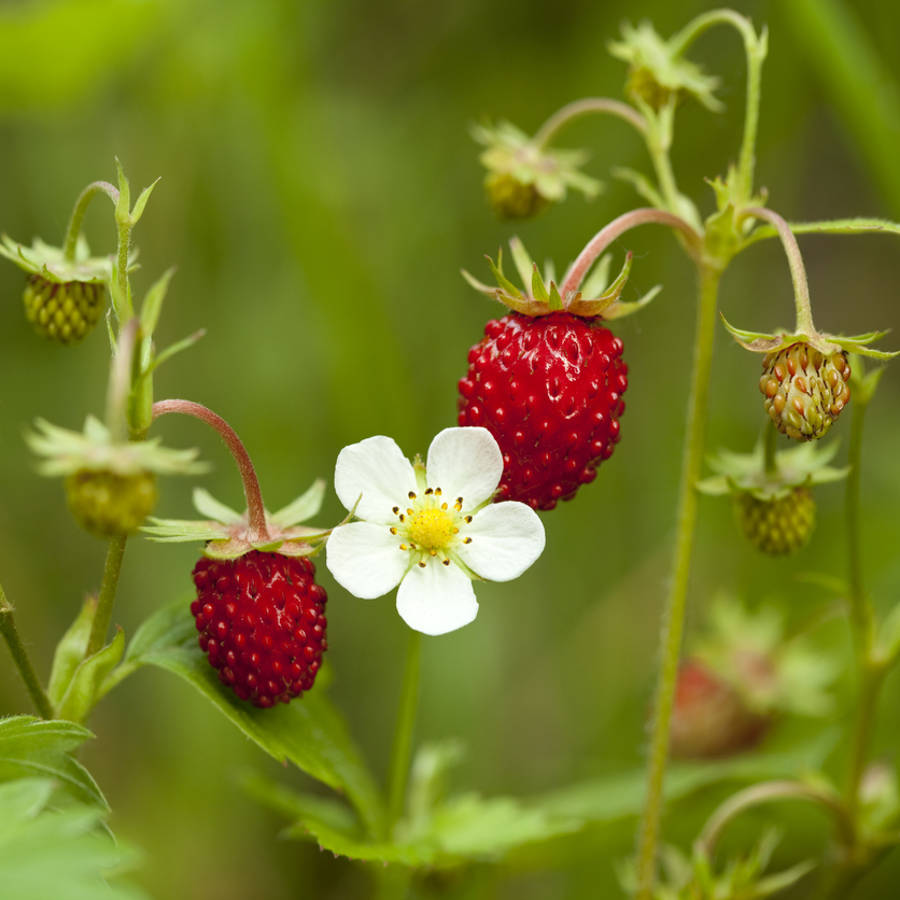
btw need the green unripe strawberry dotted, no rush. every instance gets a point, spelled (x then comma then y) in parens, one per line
(777, 526)
(513, 199)
(63, 311)
(804, 389)
(106, 503)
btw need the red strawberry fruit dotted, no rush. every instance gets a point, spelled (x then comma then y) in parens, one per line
(547, 379)
(549, 389)
(261, 619)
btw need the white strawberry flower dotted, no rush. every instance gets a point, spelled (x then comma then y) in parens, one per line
(429, 529)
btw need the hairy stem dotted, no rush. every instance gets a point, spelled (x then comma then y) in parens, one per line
(767, 792)
(20, 657)
(588, 105)
(81, 205)
(615, 229)
(105, 600)
(256, 511)
(403, 733)
(755, 51)
(795, 262)
(676, 602)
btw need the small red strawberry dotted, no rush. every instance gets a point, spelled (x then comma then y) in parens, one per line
(261, 619)
(547, 381)
(710, 718)
(549, 389)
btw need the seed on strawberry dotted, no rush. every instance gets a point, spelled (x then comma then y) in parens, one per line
(511, 198)
(549, 389)
(804, 389)
(63, 311)
(710, 718)
(261, 619)
(108, 503)
(780, 525)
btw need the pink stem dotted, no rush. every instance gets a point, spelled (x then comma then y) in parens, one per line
(617, 228)
(256, 512)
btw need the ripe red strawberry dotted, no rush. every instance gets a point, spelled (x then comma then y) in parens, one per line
(549, 389)
(261, 619)
(710, 718)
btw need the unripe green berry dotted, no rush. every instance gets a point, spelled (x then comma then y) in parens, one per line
(777, 526)
(513, 199)
(106, 503)
(63, 311)
(642, 85)
(804, 389)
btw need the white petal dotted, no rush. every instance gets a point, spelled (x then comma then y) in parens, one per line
(377, 469)
(365, 559)
(506, 539)
(465, 462)
(436, 599)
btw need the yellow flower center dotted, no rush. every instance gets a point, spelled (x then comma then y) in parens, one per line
(431, 528)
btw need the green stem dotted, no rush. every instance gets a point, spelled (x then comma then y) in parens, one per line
(659, 142)
(81, 205)
(767, 792)
(674, 613)
(771, 466)
(21, 659)
(862, 618)
(111, 571)
(122, 294)
(584, 107)
(403, 733)
(755, 51)
(795, 263)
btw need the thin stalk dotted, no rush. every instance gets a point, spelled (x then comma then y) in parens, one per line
(584, 107)
(256, 511)
(862, 618)
(112, 568)
(767, 792)
(659, 142)
(755, 51)
(771, 466)
(795, 262)
(614, 230)
(676, 602)
(20, 657)
(81, 205)
(403, 732)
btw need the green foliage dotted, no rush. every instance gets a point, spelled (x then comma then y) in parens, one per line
(56, 854)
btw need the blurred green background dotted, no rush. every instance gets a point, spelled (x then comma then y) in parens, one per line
(320, 193)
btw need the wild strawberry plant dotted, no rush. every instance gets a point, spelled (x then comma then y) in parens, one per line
(539, 411)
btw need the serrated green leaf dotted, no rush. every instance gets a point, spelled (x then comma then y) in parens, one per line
(308, 732)
(39, 747)
(70, 651)
(82, 693)
(58, 854)
(152, 305)
(304, 507)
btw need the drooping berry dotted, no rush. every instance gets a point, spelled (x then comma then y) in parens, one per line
(63, 311)
(710, 718)
(549, 389)
(778, 526)
(804, 389)
(261, 619)
(511, 198)
(108, 503)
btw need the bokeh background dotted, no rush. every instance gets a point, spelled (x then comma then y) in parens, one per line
(320, 193)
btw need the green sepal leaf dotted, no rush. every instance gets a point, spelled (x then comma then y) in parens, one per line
(173, 350)
(141, 202)
(213, 509)
(37, 747)
(85, 686)
(304, 507)
(598, 278)
(152, 305)
(70, 651)
(538, 290)
(502, 280)
(178, 531)
(309, 732)
(642, 185)
(522, 259)
(554, 301)
(59, 854)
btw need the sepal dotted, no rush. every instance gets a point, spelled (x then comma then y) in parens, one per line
(50, 262)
